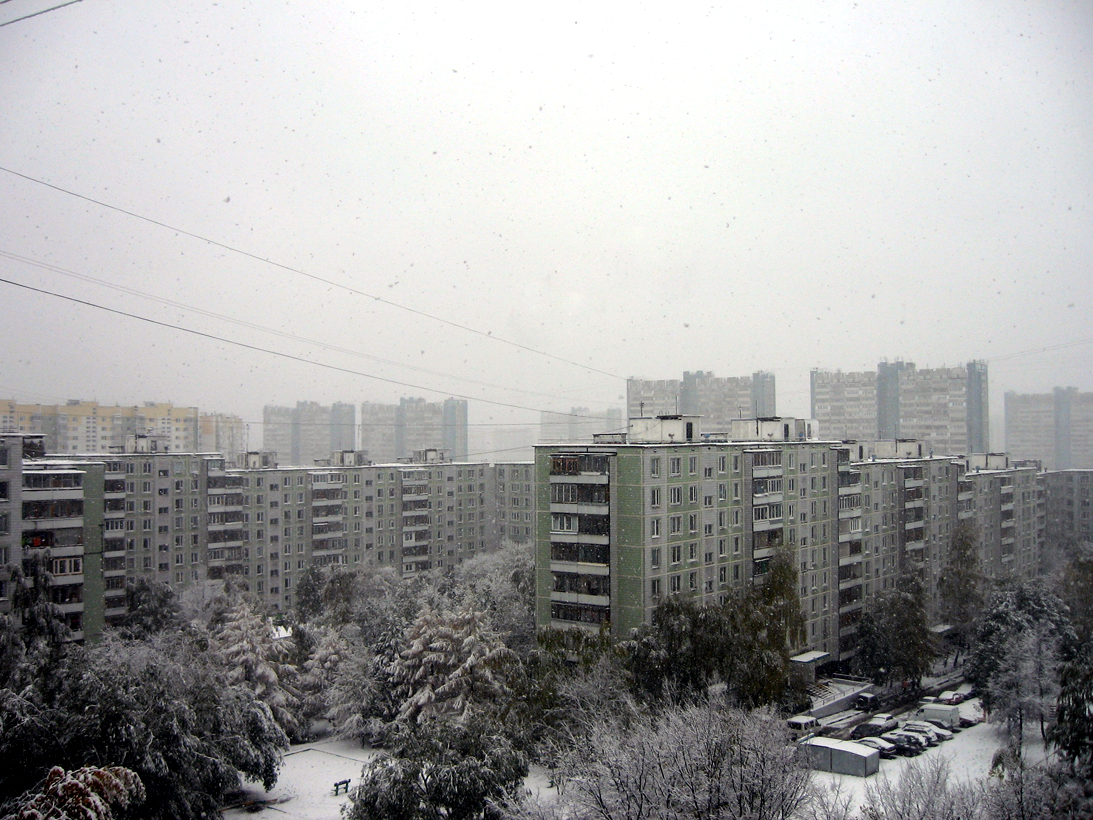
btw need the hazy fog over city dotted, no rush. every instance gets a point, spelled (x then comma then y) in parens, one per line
(524, 205)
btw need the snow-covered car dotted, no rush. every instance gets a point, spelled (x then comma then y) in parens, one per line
(887, 750)
(954, 729)
(952, 698)
(927, 734)
(941, 732)
(907, 743)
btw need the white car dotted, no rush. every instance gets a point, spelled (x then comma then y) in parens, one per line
(928, 735)
(940, 732)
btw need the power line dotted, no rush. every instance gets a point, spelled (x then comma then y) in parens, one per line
(253, 325)
(37, 13)
(1039, 350)
(258, 349)
(312, 276)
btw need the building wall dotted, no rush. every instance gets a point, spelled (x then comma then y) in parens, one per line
(222, 433)
(621, 526)
(1069, 501)
(946, 408)
(378, 431)
(88, 427)
(845, 404)
(1054, 428)
(512, 515)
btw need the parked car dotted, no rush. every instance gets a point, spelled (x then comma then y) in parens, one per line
(885, 719)
(866, 702)
(906, 744)
(941, 725)
(867, 729)
(887, 750)
(940, 732)
(952, 698)
(967, 722)
(926, 734)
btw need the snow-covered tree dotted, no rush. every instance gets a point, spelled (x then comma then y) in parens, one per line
(1012, 609)
(1025, 687)
(152, 608)
(437, 770)
(1072, 733)
(452, 663)
(960, 588)
(921, 791)
(254, 657)
(701, 762)
(159, 708)
(503, 584)
(895, 642)
(89, 793)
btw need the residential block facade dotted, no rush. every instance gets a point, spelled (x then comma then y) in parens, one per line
(667, 510)
(88, 427)
(945, 408)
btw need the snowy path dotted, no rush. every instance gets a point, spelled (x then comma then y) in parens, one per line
(305, 788)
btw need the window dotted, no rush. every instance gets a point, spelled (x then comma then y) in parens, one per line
(654, 557)
(675, 466)
(674, 583)
(675, 496)
(563, 522)
(675, 524)
(692, 465)
(721, 464)
(654, 528)
(654, 587)
(677, 553)
(654, 467)
(692, 493)
(654, 497)
(692, 523)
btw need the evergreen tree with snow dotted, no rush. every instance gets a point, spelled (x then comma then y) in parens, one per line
(253, 657)
(453, 664)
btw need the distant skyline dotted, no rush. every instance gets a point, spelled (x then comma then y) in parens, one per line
(635, 193)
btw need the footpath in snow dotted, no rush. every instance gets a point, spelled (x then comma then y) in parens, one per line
(305, 787)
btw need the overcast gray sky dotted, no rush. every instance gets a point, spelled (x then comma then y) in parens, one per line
(642, 189)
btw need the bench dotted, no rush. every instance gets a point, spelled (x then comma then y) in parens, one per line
(341, 786)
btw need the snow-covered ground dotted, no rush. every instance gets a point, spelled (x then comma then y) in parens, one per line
(969, 754)
(305, 788)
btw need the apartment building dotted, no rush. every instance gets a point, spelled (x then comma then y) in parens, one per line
(668, 510)
(390, 432)
(54, 509)
(719, 400)
(1055, 428)
(309, 431)
(88, 427)
(1069, 510)
(222, 433)
(512, 515)
(946, 408)
(665, 510)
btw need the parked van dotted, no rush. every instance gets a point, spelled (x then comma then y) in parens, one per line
(947, 716)
(802, 726)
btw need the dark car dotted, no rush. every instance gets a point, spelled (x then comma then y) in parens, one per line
(866, 702)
